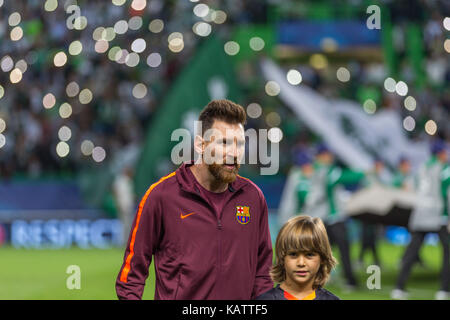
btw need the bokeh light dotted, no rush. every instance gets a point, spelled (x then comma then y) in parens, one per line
(156, 26)
(21, 65)
(370, 106)
(447, 45)
(275, 135)
(2, 125)
(431, 127)
(15, 76)
(219, 17)
(272, 88)
(60, 59)
(62, 149)
(202, 29)
(256, 43)
(75, 48)
(139, 5)
(343, 74)
(231, 48)
(254, 110)
(101, 46)
(273, 119)
(409, 123)
(132, 59)
(318, 61)
(85, 96)
(98, 154)
(401, 88)
(139, 91)
(135, 23)
(410, 103)
(294, 77)
(72, 89)
(65, 110)
(2, 140)
(14, 19)
(6, 64)
(119, 2)
(48, 101)
(389, 85)
(86, 147)
(154, 60)
(64, 133)
(16, 33)
(51, 5)
(201, 10)
(138, 45)
(121, 27)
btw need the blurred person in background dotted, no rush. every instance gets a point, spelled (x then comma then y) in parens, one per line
(297, 186)
(429, 215)
(369, 231)
(403, 177)
(123, 190)
(325, 201)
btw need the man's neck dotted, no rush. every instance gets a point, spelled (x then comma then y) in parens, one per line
(206, 179)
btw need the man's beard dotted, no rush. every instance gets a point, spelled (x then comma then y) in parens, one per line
(222, 173)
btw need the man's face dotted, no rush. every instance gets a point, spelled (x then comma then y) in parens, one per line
(308, 169)
(379, 166)
(325, 158)
(301, 268)
(405, 167)
(442, 156)
(224, 146)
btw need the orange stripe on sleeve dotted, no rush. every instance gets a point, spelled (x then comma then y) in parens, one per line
(126, 268)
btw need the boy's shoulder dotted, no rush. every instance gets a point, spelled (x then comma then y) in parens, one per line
(273, 294)
(324, 294)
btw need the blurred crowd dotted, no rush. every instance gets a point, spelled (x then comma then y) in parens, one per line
(117, 116)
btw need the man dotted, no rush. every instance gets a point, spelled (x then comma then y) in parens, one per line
(403, 178)
(206, 226)
(297, 187)
(369, 232)
(324, 201)
(429, 215)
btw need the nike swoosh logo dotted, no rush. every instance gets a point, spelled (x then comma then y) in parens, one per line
(187, 215)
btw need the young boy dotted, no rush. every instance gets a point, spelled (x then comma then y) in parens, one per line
(303, 262)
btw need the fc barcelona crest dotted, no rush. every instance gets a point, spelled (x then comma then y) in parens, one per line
(243, 214)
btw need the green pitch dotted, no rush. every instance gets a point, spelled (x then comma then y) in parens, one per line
(41, 274)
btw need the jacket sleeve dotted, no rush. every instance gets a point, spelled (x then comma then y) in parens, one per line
(263, 281)
(142, 243)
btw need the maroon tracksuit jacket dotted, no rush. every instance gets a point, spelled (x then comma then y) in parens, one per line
(199, 253)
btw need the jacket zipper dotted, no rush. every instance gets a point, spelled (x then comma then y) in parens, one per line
(219, 260)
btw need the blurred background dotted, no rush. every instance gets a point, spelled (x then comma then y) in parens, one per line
(91, 91)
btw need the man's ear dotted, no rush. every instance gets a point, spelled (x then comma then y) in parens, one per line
(199, 145)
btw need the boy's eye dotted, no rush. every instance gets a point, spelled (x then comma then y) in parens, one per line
(292, 254)
(311, 254)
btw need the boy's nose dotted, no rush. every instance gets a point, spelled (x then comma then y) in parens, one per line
(301, 260)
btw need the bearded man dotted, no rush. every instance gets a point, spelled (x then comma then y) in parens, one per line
(206, 226)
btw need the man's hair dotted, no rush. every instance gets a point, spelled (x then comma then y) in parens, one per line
(303, 234)
(223, 110)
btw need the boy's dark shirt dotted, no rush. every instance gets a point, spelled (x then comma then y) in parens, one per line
(279, 294)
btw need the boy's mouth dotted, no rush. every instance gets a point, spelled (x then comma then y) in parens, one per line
(301, 273)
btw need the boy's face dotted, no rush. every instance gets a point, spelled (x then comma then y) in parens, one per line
(301, 268)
